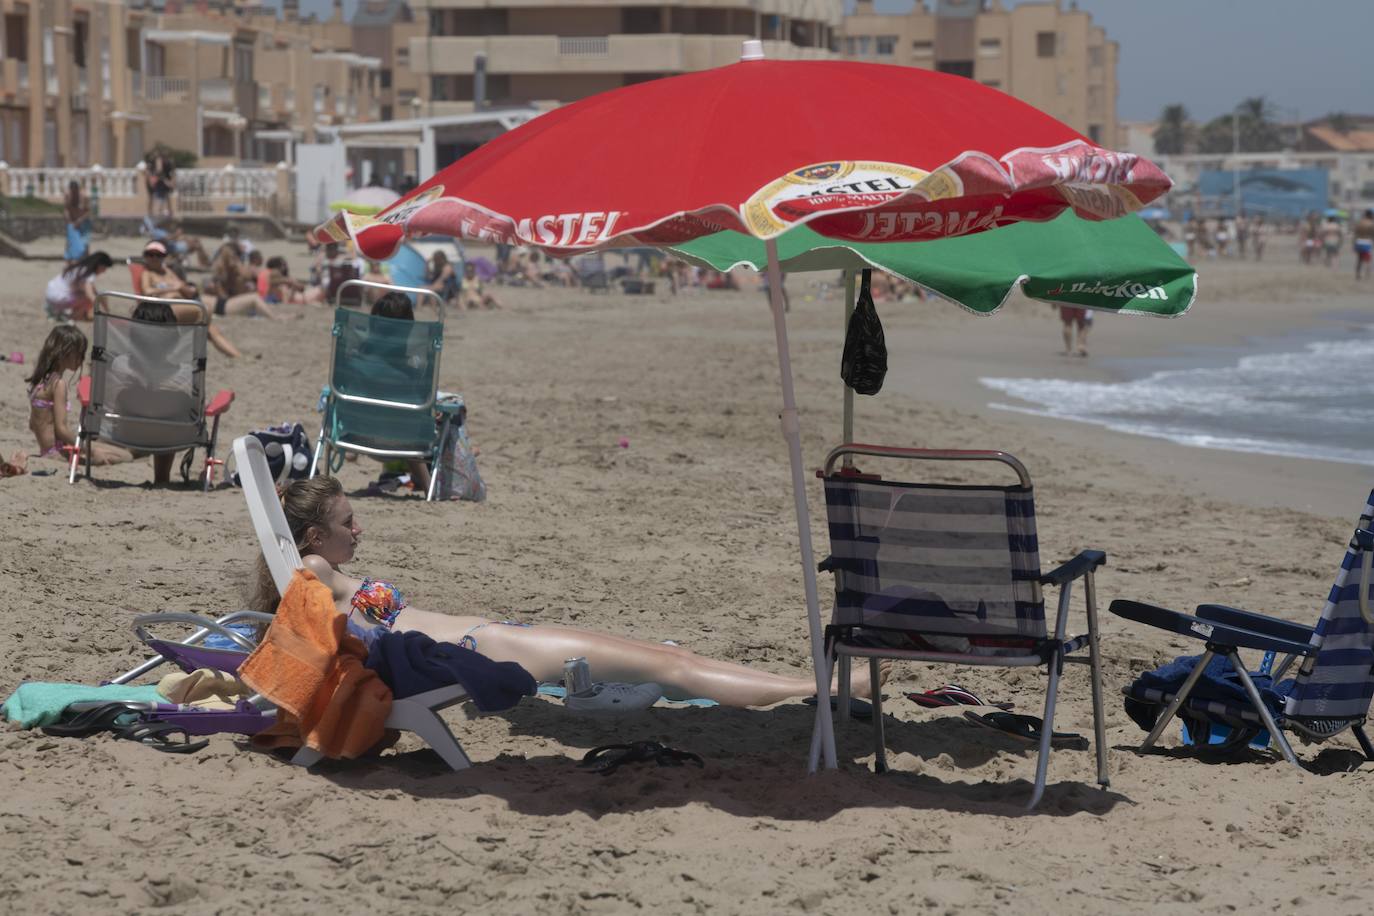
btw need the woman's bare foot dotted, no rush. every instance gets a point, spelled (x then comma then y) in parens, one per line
(859, 682)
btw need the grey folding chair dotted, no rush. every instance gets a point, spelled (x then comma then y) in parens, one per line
(947, 573)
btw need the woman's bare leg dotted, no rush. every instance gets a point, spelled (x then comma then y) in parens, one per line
(250, 304)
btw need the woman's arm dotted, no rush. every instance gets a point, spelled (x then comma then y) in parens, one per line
(61, 431)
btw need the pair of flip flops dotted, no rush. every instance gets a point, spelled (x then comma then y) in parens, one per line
(607, 758)
(125, 721)
(1028, 729)
(951, 695)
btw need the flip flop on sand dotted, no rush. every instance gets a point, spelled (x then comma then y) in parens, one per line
(103, 718)
(951, 695)
(607, 758)
(160, 736)
(1027, 729)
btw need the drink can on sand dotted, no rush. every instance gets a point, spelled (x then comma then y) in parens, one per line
(577, 675)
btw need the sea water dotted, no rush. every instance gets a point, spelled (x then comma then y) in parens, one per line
(1307, 397)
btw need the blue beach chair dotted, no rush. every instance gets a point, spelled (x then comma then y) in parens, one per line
(950, 574)
(381, 399)
(1330, 692)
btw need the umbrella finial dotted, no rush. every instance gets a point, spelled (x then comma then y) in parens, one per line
(753, 50)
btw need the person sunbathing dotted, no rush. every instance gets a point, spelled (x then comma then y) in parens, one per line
(326, 533)
(158, 281)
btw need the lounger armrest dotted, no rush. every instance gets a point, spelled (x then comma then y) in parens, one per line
(219, 403)
(1079, 566)
(83, 390)
(1214, 634)
(826, 565)
(1365, 538)
(1249, 620)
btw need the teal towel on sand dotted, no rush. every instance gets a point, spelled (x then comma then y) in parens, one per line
(38, 703)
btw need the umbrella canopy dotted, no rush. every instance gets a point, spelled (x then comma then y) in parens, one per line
(854, 151)
(863, 152)
(1120, 265)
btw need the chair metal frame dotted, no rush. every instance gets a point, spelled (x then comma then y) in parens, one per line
(1226, 630)
(1081, 566)
(86, 437)
(324, 447)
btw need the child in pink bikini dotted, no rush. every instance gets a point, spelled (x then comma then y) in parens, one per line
(64, 351)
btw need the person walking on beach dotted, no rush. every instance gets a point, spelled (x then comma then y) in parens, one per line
(1259, 234)
(1331, 237)
(1364, 244)
(161, 180)
(1075, 319)
(77, 208)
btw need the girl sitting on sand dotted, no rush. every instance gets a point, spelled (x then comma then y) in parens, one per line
(64, 351)
(158, 281)
(326, 533)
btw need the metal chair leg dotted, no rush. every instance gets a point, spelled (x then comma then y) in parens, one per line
(843, 664)
(1253, 693)
(1365, 746)
(1177, 702)
(879, 739)
(1042, 763)
(1095, 666)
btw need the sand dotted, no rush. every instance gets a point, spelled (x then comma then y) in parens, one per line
(687, 534)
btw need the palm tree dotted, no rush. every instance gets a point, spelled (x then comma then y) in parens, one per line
(1173, 131)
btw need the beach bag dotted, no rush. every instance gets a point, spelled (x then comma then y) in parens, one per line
(458, 477)
(278, 442)
(863, 365)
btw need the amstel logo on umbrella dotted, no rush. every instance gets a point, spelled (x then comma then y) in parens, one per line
(833, 187)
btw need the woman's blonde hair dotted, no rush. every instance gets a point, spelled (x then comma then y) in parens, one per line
(306, 504)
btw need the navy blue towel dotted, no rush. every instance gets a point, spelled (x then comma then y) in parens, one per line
(1218, 682)
(411, 663)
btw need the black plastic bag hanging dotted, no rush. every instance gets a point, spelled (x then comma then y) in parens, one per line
(864, 362)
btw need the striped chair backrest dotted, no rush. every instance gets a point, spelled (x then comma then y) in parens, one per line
(1338, 682)
(927, 558)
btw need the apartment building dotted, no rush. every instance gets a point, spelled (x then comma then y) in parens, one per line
(1051, 57)
(86, 82)
(543, 52)
(71, 88)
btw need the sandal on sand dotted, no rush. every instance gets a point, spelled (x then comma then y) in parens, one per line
(608, 757)
(1027, 729)
(87, 722)
(159, 735)
(951, 695)
(858, 709)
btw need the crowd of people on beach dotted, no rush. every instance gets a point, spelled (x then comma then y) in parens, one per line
(1321, 238)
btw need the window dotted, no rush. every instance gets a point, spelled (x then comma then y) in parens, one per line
(386, 82)
(157, 59)
(993, 84)
(1095, 56)
(1095, 133)
(133, 48)
(957, 67)
(923, 48)
(989, 47)
(243, 63)
(17, 37)
(1044, 44)
(865, 45)
(887, 44)
(81, 31)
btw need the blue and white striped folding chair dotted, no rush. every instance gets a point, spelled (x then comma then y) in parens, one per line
(949, 573)
(1335, 681)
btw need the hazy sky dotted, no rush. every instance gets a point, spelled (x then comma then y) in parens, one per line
(1309, 58)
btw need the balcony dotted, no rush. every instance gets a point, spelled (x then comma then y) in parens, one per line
(591, 54)
(217, 93)
(167, 89)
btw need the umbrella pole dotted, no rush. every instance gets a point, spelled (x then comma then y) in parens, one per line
(848, 392)
(791, 430)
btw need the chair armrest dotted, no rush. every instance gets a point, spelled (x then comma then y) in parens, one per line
(1080, 565)
(826, 565)
(1365, 538)
(1249, 620)
(1218, 634)
(83, 390)
(219, 403)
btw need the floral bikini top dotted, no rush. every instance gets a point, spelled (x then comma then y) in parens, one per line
(378, 602)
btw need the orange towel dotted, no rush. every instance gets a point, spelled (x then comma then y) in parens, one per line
(311, 667)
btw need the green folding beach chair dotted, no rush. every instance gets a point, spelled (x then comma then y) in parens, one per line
(381, 399)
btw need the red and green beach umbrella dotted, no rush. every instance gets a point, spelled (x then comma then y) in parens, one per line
(857, 152)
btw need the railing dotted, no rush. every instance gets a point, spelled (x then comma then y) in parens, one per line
(167, 88)
(591, 46)
(197, 190)
(50, 78)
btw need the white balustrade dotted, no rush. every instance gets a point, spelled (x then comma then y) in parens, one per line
(256, 187)
(216, 92)
(168, 88)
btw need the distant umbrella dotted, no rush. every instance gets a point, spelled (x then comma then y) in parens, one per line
(366, 201)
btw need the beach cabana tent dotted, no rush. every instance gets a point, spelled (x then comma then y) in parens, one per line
(854, 151)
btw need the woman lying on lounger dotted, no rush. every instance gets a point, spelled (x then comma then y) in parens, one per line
(326, 533)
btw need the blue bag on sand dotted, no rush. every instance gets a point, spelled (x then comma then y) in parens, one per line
(276, 440)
